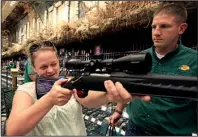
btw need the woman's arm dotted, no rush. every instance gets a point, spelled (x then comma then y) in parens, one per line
(25, 115)
(94, 99)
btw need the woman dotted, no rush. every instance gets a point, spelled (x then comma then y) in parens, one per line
(57, 112)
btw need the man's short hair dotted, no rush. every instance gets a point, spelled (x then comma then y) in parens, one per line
(174, 9)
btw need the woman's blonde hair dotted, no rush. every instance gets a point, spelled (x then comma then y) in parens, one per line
(40, 46)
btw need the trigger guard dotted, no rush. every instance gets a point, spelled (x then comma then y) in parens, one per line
(82, 93)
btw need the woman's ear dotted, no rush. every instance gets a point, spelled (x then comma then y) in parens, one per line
(57, 56)
(182, 28)
(34, 69)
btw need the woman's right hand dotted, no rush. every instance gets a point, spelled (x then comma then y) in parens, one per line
(58, 95)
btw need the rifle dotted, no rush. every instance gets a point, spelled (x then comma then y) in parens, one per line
(133, 72)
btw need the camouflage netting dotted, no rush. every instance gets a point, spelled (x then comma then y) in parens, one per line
(115, 16)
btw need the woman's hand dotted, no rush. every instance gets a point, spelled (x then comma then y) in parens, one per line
(118, 94)
(58, 95)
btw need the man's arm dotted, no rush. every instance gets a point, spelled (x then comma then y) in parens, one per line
(120, 107)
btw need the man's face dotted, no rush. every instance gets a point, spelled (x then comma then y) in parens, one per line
(165, 30)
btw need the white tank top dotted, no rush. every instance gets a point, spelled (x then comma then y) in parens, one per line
(64, 120)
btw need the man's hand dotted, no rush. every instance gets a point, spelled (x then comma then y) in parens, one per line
(114, 118)
(118, 94)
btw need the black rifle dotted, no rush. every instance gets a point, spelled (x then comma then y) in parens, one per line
(133, 72)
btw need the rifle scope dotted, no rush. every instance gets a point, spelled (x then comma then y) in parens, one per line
(139, 63)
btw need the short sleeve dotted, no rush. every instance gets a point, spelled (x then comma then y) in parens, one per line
(28, 88)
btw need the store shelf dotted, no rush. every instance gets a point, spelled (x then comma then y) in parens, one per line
(98, 119)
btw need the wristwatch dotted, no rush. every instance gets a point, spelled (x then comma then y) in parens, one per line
(118, 111)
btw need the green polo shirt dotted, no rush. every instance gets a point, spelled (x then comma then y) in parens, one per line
(168, 116)
(28, 71)
(11, 66)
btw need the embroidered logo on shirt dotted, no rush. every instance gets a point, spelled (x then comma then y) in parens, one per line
(184, 67)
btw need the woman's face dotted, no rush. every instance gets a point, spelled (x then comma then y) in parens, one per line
(46, 64)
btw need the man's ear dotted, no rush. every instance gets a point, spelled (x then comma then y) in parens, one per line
(182, 28)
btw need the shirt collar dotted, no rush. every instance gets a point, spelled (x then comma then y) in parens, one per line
(170, 54)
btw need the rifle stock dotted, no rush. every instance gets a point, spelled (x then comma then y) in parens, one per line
(155, 85)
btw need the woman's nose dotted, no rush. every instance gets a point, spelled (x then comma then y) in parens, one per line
(50, 69)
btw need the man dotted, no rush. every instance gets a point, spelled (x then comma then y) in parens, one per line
(160, 115)
(29, 74)
(11, 65)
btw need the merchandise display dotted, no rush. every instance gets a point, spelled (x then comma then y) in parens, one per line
(96, 121)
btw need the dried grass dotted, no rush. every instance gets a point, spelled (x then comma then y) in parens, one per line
(115, 16)
(15, 48)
